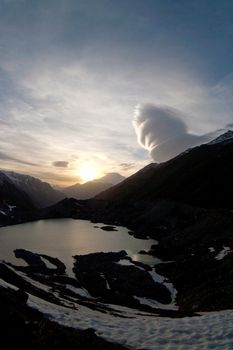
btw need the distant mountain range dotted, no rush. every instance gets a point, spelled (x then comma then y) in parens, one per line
(92, 188)
(21, 195)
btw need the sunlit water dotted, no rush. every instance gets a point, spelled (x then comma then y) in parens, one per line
(63, 238)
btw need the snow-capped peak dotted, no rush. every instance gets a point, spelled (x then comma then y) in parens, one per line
(17, 178)
(228, 135)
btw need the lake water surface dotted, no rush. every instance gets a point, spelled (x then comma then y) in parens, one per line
(63, 238)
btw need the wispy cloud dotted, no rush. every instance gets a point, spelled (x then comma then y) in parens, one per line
(72, 72)
(7, 157)
(127, 166)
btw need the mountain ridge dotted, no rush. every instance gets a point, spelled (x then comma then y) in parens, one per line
(192, 177)
(92, 188)
(41, 193)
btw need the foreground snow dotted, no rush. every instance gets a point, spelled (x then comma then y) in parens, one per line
(209, 331)
(144, 331)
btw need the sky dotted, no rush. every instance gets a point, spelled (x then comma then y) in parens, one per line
(112, 85)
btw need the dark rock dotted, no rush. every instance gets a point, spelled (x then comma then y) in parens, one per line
(21, 296)
(36, 264)
(32, 259)
(102, 276)
(143, 252)
(140, 236)
(109, 228)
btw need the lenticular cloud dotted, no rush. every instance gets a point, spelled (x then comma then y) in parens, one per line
(161, 130)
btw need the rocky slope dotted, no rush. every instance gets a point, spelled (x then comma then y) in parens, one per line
(185, 203)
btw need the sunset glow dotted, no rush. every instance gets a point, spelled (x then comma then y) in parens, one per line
(88, 172)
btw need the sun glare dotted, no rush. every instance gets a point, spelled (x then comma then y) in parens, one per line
(88, 172)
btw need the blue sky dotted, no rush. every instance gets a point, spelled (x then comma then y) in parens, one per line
(74, 72)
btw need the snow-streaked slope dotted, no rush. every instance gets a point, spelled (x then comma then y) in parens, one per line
(41, 193)
(142, 330)
(224, 252)
(227, 136)
(209, 331)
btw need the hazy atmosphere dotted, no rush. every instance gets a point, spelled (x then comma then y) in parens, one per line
(111, 85)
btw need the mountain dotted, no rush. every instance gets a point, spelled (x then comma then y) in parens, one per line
(201, 176)
(225, 137)
(92, 188)
(186, 204)
(40, 193)
(15, 204)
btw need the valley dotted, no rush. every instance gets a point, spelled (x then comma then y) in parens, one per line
(179, 273)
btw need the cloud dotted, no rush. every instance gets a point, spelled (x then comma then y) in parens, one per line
(5, 156)
(61, 164)
(127, 166)
(69, 84)
(57, 178)
(162, 131)
(229, 126)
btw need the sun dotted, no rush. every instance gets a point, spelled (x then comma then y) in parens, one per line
(88, 172)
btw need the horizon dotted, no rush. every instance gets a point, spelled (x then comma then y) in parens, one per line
(89, 89)
(82, 181)
(89, 176)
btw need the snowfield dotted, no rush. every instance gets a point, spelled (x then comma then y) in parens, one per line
(141, 330)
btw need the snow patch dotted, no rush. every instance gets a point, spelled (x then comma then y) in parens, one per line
(211, 249)
(32, 281)
(155, 304)
(79, 291)
(11, 207)
(162, 280)
(146, 331)
(48, 264)
(125, 262)
(106, 281)
(222, 138)
(224, 252)
(5, 284)
(3, 212)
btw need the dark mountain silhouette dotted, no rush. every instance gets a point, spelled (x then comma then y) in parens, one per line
(201, 176)
(186, 204)
(41, 193)
(14, 203)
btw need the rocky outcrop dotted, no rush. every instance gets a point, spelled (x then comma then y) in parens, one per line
(36, 264)
(103, 275)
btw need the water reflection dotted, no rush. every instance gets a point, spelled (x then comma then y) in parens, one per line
(63, 238)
